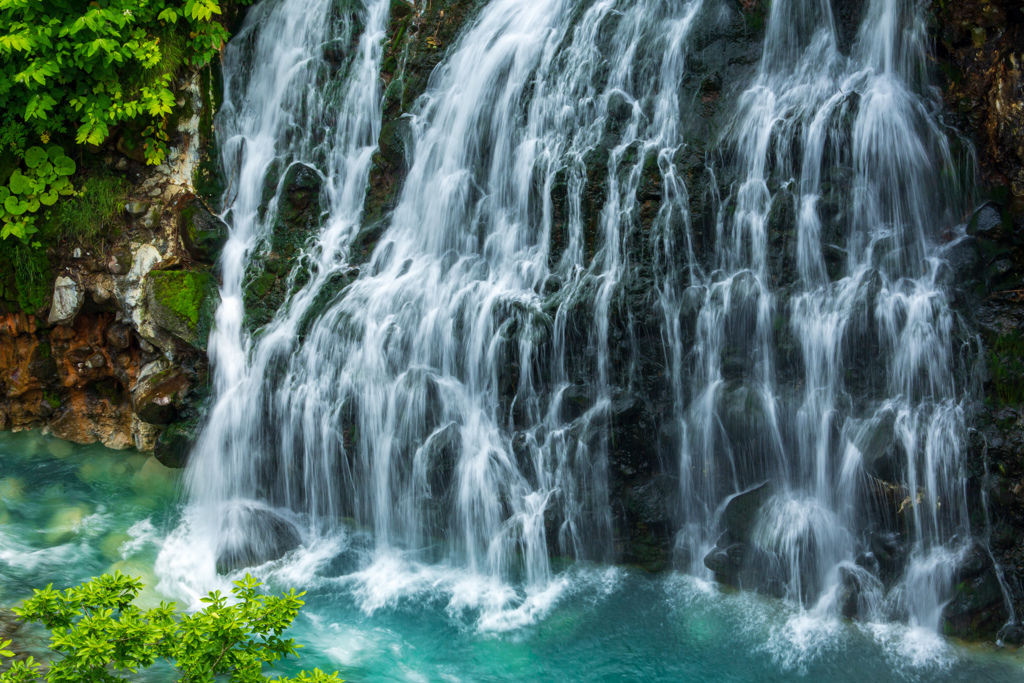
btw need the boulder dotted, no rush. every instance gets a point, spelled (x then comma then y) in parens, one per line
(742, 508)
(257, 536)
(157, 397)
(734, 559)
(183, 303)
(67, 301)
(174, 445)
(202, 233)
(978, 608)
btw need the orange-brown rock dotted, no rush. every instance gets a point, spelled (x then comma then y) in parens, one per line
(77, 379)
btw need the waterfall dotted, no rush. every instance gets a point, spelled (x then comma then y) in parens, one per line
(454, 400)
(852, 144)
(282, 109)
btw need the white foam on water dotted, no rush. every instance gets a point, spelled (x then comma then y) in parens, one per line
(142, 533)
(186, 566)
(912, 647)
(803, 638)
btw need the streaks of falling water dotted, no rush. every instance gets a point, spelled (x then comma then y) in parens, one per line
(455, 398)
(392, 409)
(281, 107)
(876, 334)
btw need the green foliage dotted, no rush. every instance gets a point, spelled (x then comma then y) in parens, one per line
(81, 68)
(45, 177)
(26, 278)
(102, 637)
(94, 212)
(1006, 368)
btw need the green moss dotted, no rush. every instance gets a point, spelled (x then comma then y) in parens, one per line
(52, 398)
(182, 292)
(208, 177)
(1006, 368)
(26, 278)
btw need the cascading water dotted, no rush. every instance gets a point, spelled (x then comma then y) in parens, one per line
(456, 394)
(852, 144)
(281, 109)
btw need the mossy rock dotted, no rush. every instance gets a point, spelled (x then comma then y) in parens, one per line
(203, 233)
(183, 303)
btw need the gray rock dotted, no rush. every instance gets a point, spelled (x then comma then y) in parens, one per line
(986, 220)
(137, 208)
(67, 301)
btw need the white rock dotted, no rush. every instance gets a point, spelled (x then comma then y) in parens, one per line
(67, 301)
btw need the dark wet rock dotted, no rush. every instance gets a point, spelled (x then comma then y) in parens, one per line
(174, 445)
(847, 15)
(890, 552)
(576, 400)
(962, 261)
(619, 108)
(202, 233)
(1011, 634)
(653, 503)
(302, 186)
(261, 536)
(736, 560)
(857, 587)
(442, 454)
(742, 509)
(632, 448)
(978, 608)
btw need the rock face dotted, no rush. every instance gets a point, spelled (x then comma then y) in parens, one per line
(84, 371)
(980, 47)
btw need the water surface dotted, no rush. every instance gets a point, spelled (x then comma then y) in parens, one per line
(71, 512)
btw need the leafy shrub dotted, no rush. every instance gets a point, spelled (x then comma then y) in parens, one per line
(70, 66)
(101, 635)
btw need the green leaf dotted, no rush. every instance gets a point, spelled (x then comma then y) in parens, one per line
(35, 156)
(15, 206)
(54, 151)
(19, 183)
(4, 193)
(64, 166)
(48, 198)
